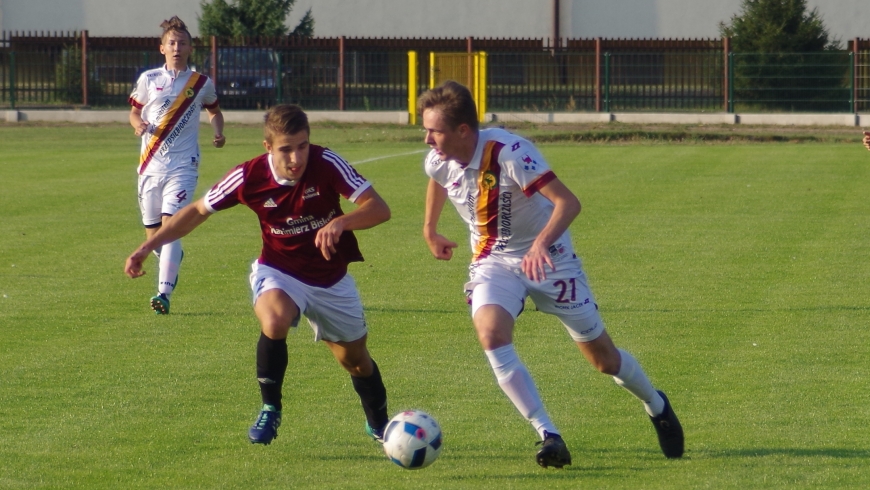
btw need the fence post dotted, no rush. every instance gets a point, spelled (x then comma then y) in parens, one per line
(85, 68)
(607, 82)
(597, 74)
(854, 77)
(214, 60)
(12, 78)
(340, 73)
(469, 65)
(726, 80)
(431, 69)
(731, 83)
(412, 87)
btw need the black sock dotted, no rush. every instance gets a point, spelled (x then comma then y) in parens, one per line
(271, 366)
(373, 396)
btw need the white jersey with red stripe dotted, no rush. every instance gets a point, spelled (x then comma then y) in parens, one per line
(171, 103)
(496, 194)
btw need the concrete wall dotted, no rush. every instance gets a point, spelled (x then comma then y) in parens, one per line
(846, 19)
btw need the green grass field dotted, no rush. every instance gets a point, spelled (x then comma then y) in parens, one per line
(736, 273)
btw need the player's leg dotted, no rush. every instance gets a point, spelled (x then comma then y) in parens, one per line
(177, 193)
(496, 300)
(336, 316)
(494, 326)
(150, 194)
(627, 372)
(277, 312)
(354, 357)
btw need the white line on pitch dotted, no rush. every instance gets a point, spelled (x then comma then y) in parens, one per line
(388, 156)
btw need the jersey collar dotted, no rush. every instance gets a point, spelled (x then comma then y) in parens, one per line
(279, 180)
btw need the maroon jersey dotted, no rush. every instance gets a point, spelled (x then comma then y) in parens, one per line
(290, 215)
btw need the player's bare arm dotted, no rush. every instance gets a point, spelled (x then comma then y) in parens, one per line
(371, 211)
(866, 139)
(140, 126)
(177, 226)
(216, 119)
(439, 245)
(566, 208)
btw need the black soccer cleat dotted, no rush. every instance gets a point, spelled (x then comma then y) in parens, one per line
(553, 451)
(669, 430)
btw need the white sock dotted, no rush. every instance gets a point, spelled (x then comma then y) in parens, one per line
(632, 378)
(167, 274)
(516, 382)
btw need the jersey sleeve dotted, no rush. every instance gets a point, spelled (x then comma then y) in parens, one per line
(209, 97)
(526, 166)
(226, 193)
(435, 168)
(348, 182)
(139, 97)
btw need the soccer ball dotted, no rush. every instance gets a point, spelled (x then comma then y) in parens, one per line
(412, 439)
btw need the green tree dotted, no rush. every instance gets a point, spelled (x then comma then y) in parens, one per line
(777, 26)
(785, 59)
(243, 18)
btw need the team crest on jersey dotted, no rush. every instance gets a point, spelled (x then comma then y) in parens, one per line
(488, 180)
(189, 93)
(309, 193)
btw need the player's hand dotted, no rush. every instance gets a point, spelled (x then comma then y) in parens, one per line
(327, 238)
(141, 129)
(866, 139)
(441, 247)
(534, 261)
(219, 141)
(133, 267)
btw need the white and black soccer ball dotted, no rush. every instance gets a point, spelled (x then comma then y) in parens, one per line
(412, 439)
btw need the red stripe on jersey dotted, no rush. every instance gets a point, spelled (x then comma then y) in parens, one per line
(178, 108)
(486, 219)
(538, 183)
(135, 103)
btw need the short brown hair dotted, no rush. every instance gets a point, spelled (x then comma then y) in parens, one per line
(174, 25)
(455, 103)
(285, 119)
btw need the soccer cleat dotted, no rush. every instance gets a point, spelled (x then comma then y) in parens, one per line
(266, 427)
(553, 451)
(669, 430)
(377, 435)
(160, 304)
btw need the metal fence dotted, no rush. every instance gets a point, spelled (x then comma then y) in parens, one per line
(522, 75)
(793, 82)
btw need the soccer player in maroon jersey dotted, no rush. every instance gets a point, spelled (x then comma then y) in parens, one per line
(308, 242)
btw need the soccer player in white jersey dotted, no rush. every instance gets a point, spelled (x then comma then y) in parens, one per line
(166, 105)
(518, 213)
(308, 242)
(866, 140)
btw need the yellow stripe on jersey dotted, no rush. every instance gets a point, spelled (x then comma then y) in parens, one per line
(486, 208)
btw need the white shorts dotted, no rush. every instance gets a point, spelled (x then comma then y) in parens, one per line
(565, 294)
(334, 313)
(164, 195)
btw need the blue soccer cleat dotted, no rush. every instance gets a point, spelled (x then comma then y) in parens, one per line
(160, 304)
(266, 427)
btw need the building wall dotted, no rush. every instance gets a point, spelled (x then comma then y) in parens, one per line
(845, 19)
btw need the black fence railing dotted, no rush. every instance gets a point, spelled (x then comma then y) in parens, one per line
(522, 75)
